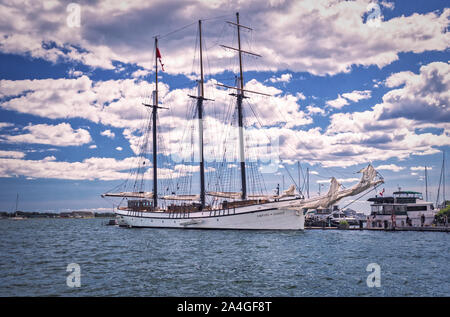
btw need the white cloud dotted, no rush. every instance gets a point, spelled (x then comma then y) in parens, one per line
(315, 110)
(354, 96)
(94, 168)
(420, 168)
(12, 154)
(93, 146)
(140, 73)
(422, 97)
(388, 5)
(5, 125)
(389, 129)
(389, 167)
(116, 103)
(300, 96)
(88, 169)
(337, 103)
(57, 135)
(74, 73)
(357, 95)
(284, 78)
(119, 148)
(108, 134)
(324, 36)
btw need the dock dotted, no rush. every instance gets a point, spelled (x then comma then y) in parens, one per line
(421, 229)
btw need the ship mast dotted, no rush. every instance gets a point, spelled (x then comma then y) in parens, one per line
(17, 203)
(240, 96)
(200, 98)
(154, 112)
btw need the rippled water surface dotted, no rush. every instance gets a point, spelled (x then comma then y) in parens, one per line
(166, 262)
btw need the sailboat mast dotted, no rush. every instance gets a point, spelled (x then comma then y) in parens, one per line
(154, 111)
(200, 120)
(426, 184)
(443, 178)
(240, 97)
(307, 181)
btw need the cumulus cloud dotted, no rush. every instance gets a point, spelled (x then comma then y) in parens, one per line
(324, 36)
(356, 95)
(140, 73)
(114, 102)
(338, 103)
(108, 134)
(12, 154)
(74, 73)
(388, 130)
(389, 167)
(284, 78)
(94, 168)
(58, 135)
(420, 168)
(6, 125)
(88, 169)
(422, 97)
(353, 96)
(312, 110)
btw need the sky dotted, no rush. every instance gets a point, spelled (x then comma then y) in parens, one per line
(351, 83)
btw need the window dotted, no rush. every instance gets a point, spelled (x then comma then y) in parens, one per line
(416, 208)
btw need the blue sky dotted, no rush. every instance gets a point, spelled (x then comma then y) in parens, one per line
(353, 83)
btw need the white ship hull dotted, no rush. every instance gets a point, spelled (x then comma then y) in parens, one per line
(268, 216)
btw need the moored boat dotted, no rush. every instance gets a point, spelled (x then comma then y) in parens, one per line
(402, 209)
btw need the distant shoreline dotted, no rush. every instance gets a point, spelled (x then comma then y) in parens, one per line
(62, 215)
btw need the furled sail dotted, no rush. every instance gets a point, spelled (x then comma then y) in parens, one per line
(182, 197)
(229, 195)
(322, 201)
(287, 193)
(147, 195)
(369, 178)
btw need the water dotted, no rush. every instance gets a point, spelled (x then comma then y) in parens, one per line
(166, 262)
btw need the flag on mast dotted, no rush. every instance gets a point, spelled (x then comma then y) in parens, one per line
(158, 55)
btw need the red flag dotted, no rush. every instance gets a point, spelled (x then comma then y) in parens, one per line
(382, 192)
(158, 55)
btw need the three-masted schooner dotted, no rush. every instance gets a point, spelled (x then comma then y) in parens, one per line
(237, 210)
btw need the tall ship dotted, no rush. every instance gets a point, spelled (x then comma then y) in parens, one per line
(171, 203)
